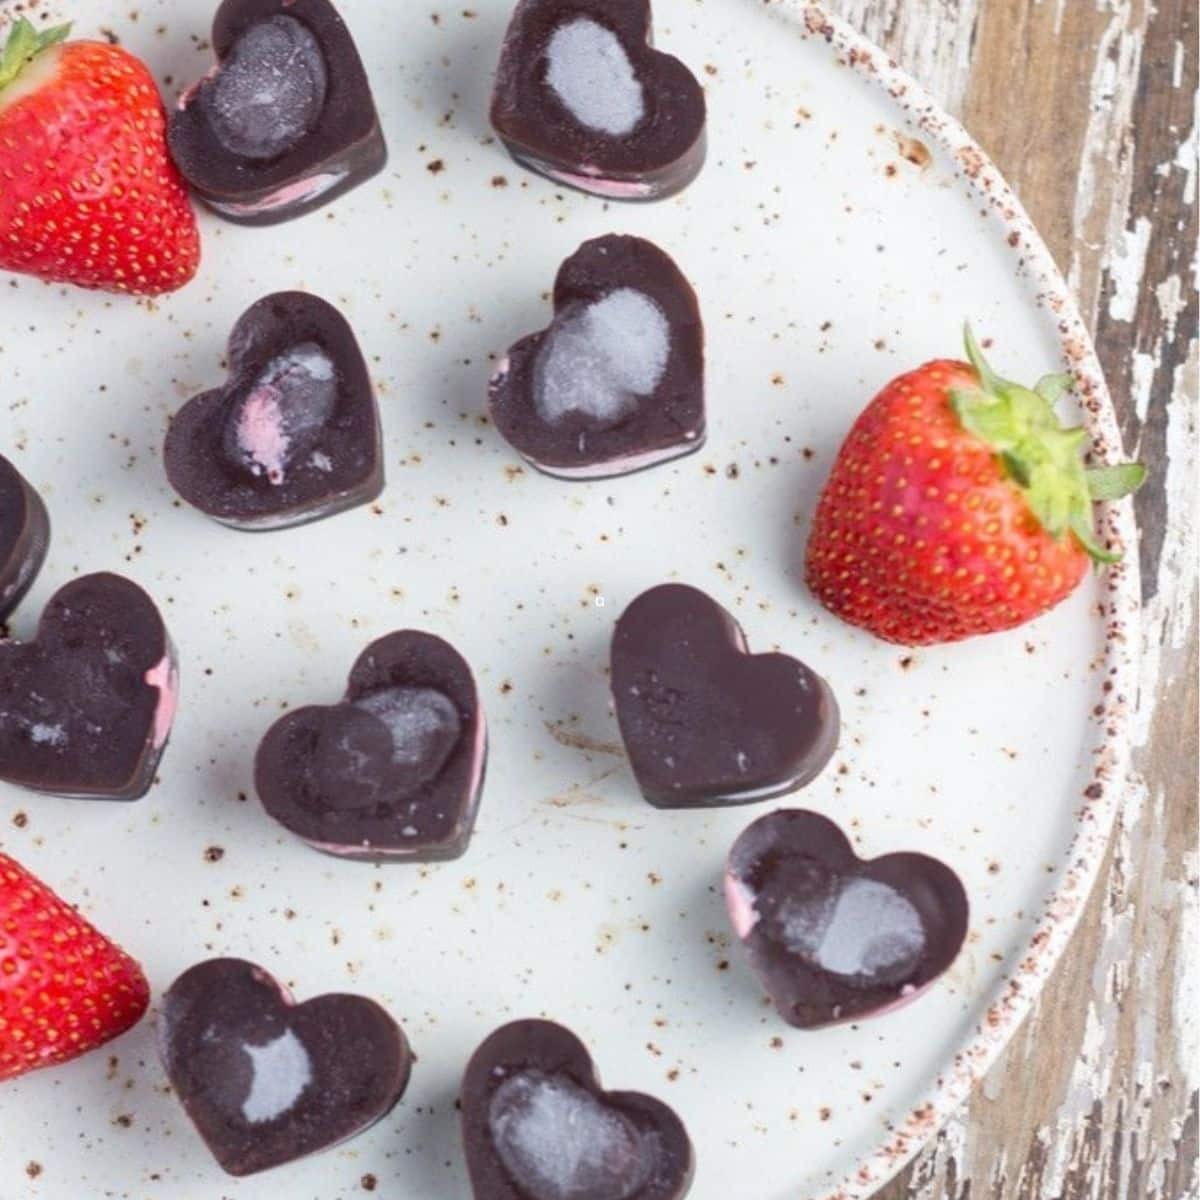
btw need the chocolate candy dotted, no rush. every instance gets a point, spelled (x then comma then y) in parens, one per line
(293, 435)
(284, 122)
(834, 937)
(86, 707)
(395, 771)
(24, 536)
(704, 721)
(583, 98)
(537, 1125)
(616, 383)
(266, 1080)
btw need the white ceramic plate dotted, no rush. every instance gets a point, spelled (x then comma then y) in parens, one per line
(826, 262)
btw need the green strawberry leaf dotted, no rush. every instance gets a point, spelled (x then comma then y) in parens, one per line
(1052, 388)
(24, 44)
(988, 417)
(1042, 457)
(1114, 483)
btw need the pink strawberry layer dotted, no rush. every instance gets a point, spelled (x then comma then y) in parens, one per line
(479, 757)
(589, 179)
(260, 431)
(614, 189)
(299, 192)
(620, 466)
(739, 900)
(164, 676)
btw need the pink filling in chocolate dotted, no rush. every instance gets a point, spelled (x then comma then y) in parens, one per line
(739, 900)
(297, 192)
(620, 466)
(164, 676)
(616, 189)
(260, 431)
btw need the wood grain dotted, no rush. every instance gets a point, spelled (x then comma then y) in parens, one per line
(1089, 109)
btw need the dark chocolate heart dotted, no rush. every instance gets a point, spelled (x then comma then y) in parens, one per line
(704, 721)
(537, 1125)
(86, 707)
(266, 1080)
(834, 937)
(582, 97)
(24, 536)
(395, 771)
(293, 435)
(285, 121)
(616, 383)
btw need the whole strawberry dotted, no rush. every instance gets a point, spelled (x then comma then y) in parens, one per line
(64, 988)
(88, 194)
(958, 505)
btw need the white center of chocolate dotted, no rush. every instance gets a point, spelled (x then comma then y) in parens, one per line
(600, 360)
(282, 1070)
(863, 928)
(558, 1142)
(424, 725)
(590, 73)
(269, 91)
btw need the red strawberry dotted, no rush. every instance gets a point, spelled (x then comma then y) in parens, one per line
(64, 988)
(88, 194)
(958, 505)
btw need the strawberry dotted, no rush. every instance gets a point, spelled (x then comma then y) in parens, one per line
(958, 505)
(64, 988)
(88, 194)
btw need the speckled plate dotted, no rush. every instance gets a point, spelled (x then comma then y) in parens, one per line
(842, 230)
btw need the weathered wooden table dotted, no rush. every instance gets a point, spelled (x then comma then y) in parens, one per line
(1088, 107)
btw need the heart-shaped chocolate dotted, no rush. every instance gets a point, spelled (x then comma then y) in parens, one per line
(86, 707)
(24, 536)
(582, 97)
(293, 435)
(704, 721)
(616, 383)
(834, 937)
(537, 1125)
(284, 122)
(265, 1080)
(395, 771)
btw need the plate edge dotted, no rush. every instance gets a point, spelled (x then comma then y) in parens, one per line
(1102, 798)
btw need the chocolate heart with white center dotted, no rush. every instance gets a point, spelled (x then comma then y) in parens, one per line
(582, 97)
(395, 771)
(86, 707)
(537, 1125)
(834, 937)
(704, 721)
(293, 435)
(284, 122)
(265, 1080)
(24, 536)
(616, 383)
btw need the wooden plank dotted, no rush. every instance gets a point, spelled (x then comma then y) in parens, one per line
(1089, 109)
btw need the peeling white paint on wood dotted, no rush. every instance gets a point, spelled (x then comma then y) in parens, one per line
(1126, 268)
(932, 39)
(1095, 1099)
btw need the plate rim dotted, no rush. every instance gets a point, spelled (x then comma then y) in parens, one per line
(1102, 798)
(1012, 998)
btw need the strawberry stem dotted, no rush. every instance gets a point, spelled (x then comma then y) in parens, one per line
(24, 44)
(1042, 457)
